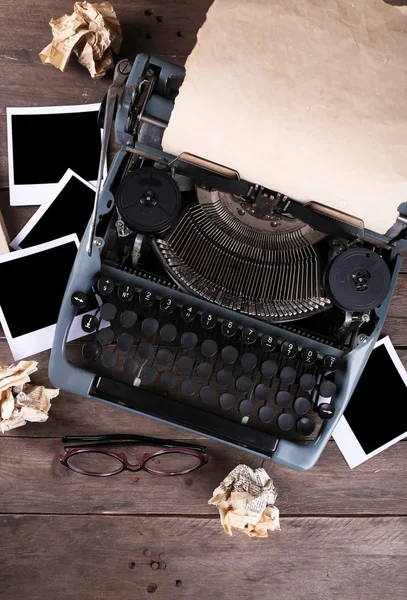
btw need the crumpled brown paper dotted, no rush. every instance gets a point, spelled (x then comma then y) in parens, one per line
(245, 499)
(92, 31)
(20, 401)
(4, 239)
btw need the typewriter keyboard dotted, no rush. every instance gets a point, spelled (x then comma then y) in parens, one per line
(198, 357)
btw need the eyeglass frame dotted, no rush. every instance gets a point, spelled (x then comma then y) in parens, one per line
(91, 443)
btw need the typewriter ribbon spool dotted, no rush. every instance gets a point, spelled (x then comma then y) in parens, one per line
(358, 280)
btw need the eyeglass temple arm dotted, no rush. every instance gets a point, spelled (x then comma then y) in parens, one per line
(128, 438)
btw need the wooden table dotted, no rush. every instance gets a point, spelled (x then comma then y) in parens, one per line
(65, 536)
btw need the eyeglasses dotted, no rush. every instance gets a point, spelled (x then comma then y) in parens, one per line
(90, 457)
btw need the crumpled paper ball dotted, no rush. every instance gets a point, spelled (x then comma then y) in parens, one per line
(21, 401)
(92, 31)
(245, 500)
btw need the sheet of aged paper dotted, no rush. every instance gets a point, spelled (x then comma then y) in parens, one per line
(307, 98)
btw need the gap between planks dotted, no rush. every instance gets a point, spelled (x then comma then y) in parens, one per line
(214, 517)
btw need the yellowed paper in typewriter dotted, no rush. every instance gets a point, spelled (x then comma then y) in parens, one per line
(304, 97)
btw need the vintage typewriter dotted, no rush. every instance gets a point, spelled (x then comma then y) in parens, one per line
(224, 308)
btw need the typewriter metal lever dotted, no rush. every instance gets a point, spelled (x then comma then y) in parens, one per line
(121, 73)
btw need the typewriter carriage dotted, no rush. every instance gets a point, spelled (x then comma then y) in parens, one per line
(239, 225)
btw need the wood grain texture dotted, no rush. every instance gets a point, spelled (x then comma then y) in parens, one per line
(32, 480)
(84, 538)
(161, 28)
(103, 558)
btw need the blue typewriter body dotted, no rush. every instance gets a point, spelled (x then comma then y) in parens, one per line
(185, 333)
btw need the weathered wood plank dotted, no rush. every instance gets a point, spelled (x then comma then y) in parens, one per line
(103, 558)
(32, 480)
(161, 28)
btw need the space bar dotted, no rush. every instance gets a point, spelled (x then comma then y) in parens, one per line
(184, 415)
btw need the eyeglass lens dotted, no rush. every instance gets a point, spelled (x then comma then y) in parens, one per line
(100, 463)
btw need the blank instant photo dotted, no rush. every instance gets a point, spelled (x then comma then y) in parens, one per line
(68, 212)
(33, 283)
(43, 142)
(376, 416)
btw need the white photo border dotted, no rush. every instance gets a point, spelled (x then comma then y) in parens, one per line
(20, 237)
(40, 339)
(343, 434)
(38, 193)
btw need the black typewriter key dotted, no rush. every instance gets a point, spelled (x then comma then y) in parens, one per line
(289, 349)
(130, 366)
(164, 357)
(326, 411)
(262, 392)
(168, 380)
(125, 341)
(105, 286)
(184, 364)
(145, 349)
(266, 414)
(204, 370)
(249, 335)
(207, 394)
(229, 328)
(188, 387)
(209, 348)
(330, 363)
(108, 312)
(168, 305)
(243, 384)
(268, 342)
(147, 298)
(309, 356)
(285, 421)
(246, 408)
(229, 355)
(126, 292)
(89, 323)
(226, 401)
(301, 405)
(149, 326)
(288, 375)
(248, 361)
(105, 336)
(148, 374)
(188, 313)
(189, 340)
(109, 359)
(307, 382)
(269, 368)
(327, 389)
(224, 377)
(305, 426)
(208, 320)
(79, 300)
(168, 332)
(283, 399)
(91, 350)
(128, 318)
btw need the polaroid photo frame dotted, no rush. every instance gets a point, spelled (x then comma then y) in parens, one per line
(33, 283)
(66, 213)
(43, 142)
(376, 416)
